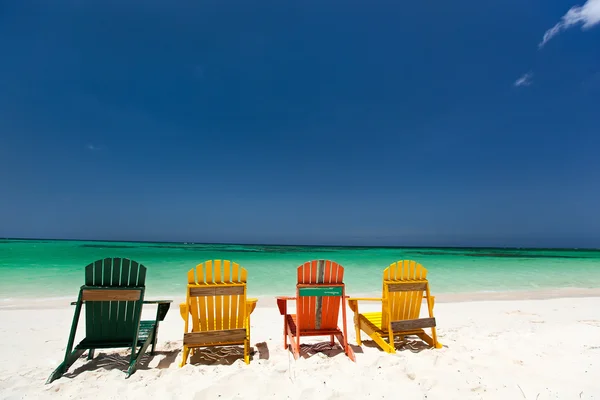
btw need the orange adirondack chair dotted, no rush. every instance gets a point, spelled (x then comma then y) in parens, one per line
(319, 294)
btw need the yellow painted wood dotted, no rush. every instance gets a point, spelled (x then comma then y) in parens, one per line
(191, 277)
(233, 314)
(404, 288)
(216, 298)
(226, 299)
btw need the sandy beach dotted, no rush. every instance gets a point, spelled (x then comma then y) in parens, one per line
(508, 349)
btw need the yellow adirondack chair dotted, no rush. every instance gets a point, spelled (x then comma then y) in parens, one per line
(217, 306)
(405, 286)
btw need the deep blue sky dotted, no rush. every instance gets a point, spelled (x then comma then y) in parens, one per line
(331, 122)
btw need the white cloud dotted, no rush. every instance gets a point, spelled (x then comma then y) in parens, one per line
(524, 80)
(93, 147)
(587, 15)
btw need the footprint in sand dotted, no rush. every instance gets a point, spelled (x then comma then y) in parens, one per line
(519, 312)
(592, 322)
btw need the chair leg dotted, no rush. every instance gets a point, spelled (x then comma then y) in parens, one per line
(285, 334)
(247, 351)
(184, 356)
(295, 346)
(155, 338)
(436, 344)
(91, 354)
(357, 328)
(135, 359)
(64, 366)
(331, 342)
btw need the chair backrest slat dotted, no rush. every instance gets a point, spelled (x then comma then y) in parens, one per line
(216, 296)
(324, 280)
(404, 284)
(113, 295)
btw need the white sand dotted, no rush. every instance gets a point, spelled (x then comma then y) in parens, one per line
(514, 349)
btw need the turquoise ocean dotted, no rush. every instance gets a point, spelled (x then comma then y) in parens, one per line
(54, 268)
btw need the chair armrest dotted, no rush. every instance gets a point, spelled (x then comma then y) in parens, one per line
(282, 303)
(162, 309)
(250, 305)
(365, 299)
(353, 301)
(184, 311)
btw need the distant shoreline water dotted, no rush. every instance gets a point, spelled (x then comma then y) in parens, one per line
(54, 268)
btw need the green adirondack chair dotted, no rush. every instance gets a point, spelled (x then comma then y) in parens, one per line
(113, 295)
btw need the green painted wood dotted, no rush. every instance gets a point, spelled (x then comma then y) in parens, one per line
(98, 273)
(89, 275)
(320, 291)
(141, 281)
(125, 263)
(106, 327)
(113, 324)
(106, 272)
(131, 309)
(114, 305)
(133, 273)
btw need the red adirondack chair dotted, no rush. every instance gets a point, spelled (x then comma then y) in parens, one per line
(320, 293)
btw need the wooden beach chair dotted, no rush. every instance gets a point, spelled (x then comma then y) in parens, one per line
(113, 295)
(217, 306)
(320, 293)
(405, 285)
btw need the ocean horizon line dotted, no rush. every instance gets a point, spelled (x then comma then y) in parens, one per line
(346, 246)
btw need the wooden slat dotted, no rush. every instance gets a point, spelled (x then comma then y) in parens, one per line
(209, 271)
(217, 290)
(218, 297)
(125, 267)
(218, 336)
(107, 272)
(235, 299)
(115, 305)
(133, 273)
(226, 299)
(235, 272)
(141, 281)
(406, 287)
(125, 308)
(415, 296)
(327, 303)
(197, 308)
(210, 301)
(95, 309)
(217, 271)
(89, 275)
(191, 277)
(115, 279)
(241, 309)
(111, 295)
(200, 273)
(399, 326)
(131, 309)
(105, 326)
(226, 271)
(97, 273)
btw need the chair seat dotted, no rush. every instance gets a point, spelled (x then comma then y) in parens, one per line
(146, 328)
(291, 320)
(373, 319)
